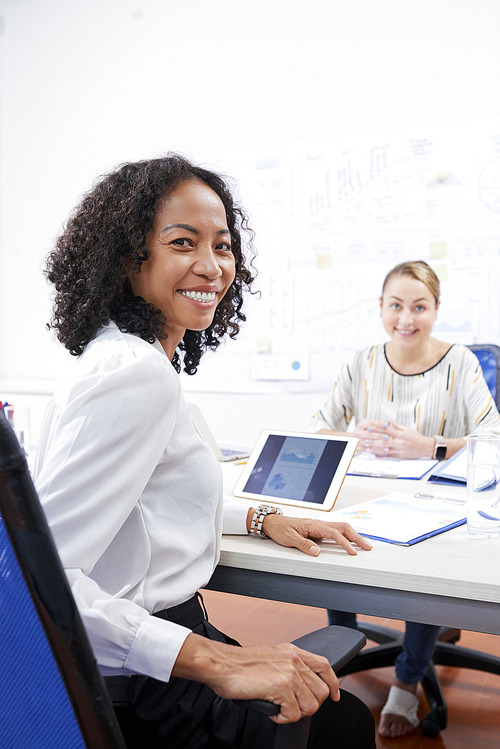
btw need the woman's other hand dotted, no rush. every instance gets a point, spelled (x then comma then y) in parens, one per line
(295, 679)
(302, 533)
(388, 439)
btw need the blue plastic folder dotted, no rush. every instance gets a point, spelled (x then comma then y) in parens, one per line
(452, 472)
(399, 518)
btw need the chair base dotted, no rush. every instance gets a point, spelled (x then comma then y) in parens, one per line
(446, 653)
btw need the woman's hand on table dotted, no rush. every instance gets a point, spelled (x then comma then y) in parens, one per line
(302, 534)
(388, 439)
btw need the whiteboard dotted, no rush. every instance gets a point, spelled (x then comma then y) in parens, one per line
(332, 217)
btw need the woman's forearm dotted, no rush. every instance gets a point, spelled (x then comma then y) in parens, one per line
(453, 445)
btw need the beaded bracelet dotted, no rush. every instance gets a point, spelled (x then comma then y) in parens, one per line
(258, 518)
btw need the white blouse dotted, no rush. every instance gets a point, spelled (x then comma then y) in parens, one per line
(452, 398)
(133, 497)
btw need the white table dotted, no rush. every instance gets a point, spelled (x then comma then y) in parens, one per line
(450, 579)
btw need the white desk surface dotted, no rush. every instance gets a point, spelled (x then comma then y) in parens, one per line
(450, 564)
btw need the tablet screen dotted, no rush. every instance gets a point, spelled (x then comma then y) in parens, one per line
(307, 470)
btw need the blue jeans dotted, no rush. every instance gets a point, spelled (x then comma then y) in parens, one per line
(418, 646)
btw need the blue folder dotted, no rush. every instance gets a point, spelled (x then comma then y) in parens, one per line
(450, 478)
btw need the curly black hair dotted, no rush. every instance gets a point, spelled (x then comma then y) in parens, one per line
(106, 236)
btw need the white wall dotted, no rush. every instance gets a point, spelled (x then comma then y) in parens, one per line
(86, 84)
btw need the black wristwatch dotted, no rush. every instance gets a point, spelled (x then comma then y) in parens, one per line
(440, 447)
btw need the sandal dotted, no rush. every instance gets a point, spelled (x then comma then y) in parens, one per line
(403, 703)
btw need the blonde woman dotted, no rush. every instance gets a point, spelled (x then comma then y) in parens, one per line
(413, 397)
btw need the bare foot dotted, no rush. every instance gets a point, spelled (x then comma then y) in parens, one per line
(393, 724)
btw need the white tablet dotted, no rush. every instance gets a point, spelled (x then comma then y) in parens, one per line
(294, 468)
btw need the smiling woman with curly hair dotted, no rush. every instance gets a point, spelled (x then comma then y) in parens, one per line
(149, 273)
(104, 243)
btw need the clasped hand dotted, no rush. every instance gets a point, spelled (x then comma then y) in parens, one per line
(388, 439)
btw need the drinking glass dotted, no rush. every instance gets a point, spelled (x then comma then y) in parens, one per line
(483, 485)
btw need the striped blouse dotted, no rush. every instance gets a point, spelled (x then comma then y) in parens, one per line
(452, 398)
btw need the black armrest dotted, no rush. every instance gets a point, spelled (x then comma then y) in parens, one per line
(337, 644)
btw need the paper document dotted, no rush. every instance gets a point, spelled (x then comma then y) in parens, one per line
(367, 464)
(401, 518)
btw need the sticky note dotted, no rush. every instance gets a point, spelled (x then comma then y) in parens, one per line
(437, 250)
(441, 271)
(262, 344)
(323, 262)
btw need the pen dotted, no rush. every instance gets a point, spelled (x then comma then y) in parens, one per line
(451, 500)
(241, 462)
(374, 475)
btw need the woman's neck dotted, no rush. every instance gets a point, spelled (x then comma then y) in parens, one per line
(169, 345)
(415, 361)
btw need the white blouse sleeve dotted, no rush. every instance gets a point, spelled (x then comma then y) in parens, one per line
(235, 517)
(338, 409)
(481, 412)
(88, 491)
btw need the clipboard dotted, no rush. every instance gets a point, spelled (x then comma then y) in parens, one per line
(402, 519)
(366, 464)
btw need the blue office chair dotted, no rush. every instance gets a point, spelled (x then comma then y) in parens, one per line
(51, 691)
(489, 359)
(446, 652)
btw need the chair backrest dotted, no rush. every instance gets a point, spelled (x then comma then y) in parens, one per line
(51, 691)
(489, 358)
